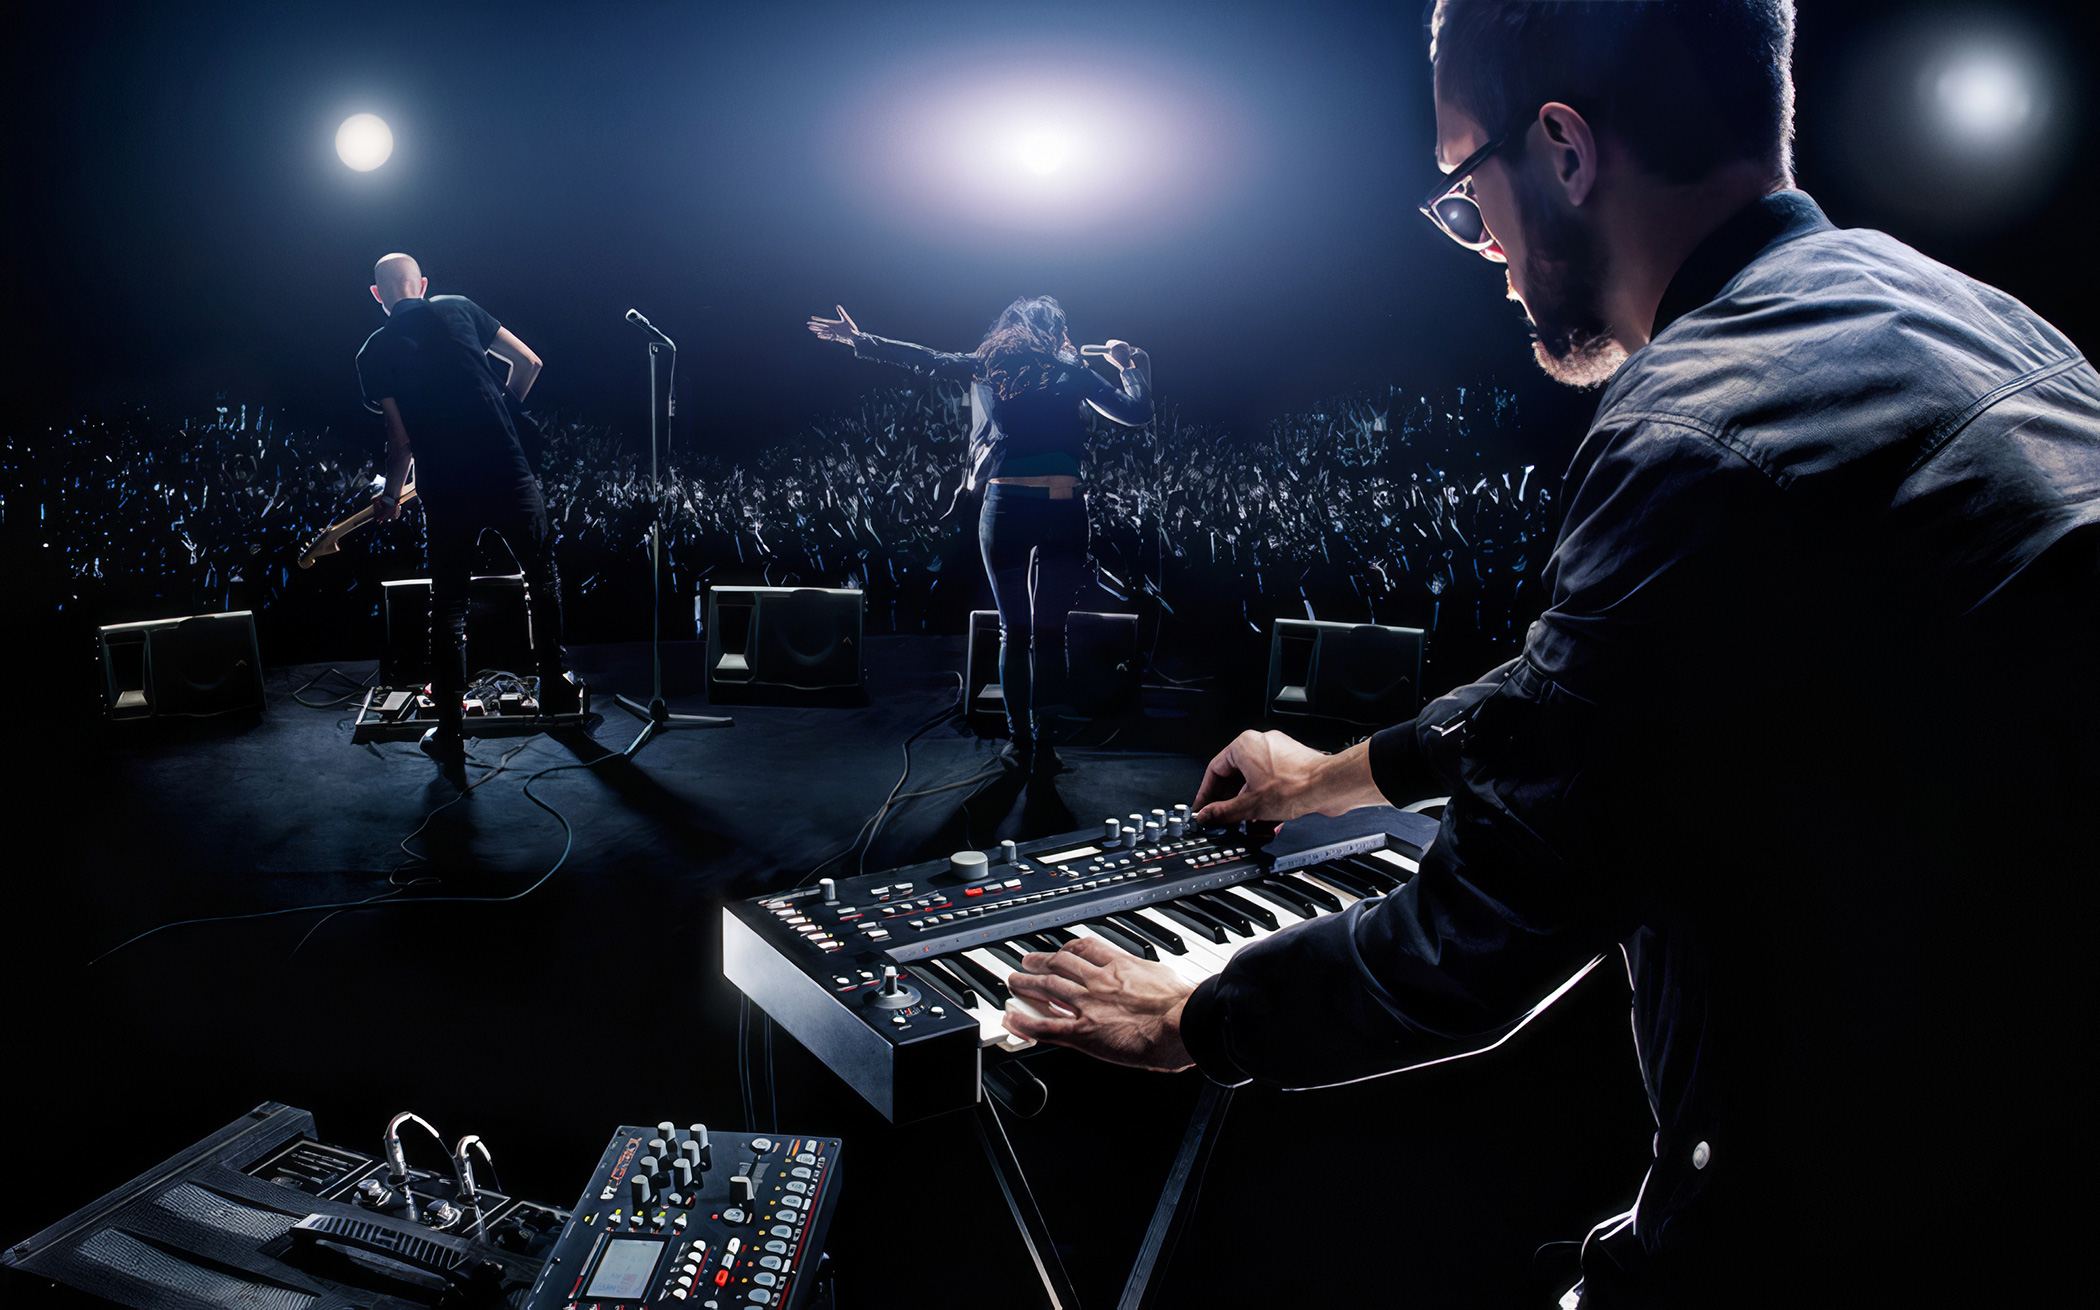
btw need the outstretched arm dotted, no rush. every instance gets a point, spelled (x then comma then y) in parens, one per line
(866, 345)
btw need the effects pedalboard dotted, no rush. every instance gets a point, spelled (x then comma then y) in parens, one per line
(406, 713)
(262, 1215)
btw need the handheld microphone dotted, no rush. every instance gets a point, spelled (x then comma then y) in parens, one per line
(634, 316)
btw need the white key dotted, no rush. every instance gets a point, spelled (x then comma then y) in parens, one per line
(1397, 860)
(1178, 964)
(1347, 897)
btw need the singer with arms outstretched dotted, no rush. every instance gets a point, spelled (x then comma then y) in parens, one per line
(1028, 388)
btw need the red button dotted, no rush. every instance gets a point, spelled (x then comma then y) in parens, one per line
(973, 891)
(722, 1279)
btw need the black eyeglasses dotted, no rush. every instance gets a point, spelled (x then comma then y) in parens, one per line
(1452, 207)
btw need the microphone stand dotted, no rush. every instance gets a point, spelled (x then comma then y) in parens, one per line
(656, 716)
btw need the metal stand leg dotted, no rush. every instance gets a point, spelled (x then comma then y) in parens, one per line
(1035, 1234)
(1169, 1219)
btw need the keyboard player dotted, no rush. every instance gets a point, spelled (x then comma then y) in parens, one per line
(1798, 734)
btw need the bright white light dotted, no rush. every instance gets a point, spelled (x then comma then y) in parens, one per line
(1986, 99)
(364, 141)
(1043, 152)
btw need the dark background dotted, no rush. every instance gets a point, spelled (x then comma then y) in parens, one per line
(181, 236)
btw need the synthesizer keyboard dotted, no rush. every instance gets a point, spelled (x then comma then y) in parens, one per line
(897, 980)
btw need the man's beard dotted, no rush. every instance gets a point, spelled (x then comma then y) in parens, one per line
(1564, 292)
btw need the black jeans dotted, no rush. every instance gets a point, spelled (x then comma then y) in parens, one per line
(1035, 553)
(454, 535)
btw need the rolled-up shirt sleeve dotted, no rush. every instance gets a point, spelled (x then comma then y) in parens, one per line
(1553, 764)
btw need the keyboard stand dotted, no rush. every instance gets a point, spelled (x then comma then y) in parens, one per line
(1028, 1218)
(1169, 1218)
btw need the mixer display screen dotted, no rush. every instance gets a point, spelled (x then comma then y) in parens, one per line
(623, 1275)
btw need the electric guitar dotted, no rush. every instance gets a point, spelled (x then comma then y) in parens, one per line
(330, 541)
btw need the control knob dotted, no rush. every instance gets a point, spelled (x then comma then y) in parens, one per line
(895, 993)
(701, 1151)
(1111, 831)
(1008, 852)
(830, 888)
(639, 1191)
(970, 864)
(741, 1191)
(682, 1175)
(1133, 829)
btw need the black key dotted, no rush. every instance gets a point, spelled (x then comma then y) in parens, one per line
(1253, 909)
(1319, 896)
(1165, 938)
(988, 983)
(1058, 935)
(952, 978)
(931, 981)
(1006, 952)
(1277, 894)
(1128, 941)
(1225, 914)
(1194, 920)
(1037, 941)
(1382, 876)
(1349, 882)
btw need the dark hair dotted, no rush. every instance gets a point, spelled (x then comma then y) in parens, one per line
(1688, 85)
(1025, 347)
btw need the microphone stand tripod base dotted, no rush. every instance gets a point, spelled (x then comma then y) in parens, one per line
(656, 717)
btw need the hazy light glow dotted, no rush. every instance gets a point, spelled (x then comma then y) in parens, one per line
(1986, 98)
(1044, 151)
(1051, 147)
(364, 142)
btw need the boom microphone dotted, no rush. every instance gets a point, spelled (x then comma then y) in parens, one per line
(634, 316)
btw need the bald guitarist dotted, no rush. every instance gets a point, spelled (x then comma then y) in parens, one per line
(427, 371)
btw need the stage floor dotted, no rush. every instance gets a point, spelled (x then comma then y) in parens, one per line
(595, 1000)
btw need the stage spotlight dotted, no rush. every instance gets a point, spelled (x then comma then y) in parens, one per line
(1985, 98)
(364, 142)
(1044, 152)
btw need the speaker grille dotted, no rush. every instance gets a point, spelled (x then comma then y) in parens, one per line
(124, 1255)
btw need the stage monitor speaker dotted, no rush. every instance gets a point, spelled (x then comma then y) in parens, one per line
(1355, 673)
(794, 644)
(191, 667)
(499, 628)
(1105, 673)
(984, 700)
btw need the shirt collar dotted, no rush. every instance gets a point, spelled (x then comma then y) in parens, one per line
(1759, 226)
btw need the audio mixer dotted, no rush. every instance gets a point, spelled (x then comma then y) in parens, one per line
(896, 980)
(682, 1219)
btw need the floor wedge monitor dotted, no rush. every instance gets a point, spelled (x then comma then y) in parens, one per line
(205, 664)
(1359, 674)
(785, 644)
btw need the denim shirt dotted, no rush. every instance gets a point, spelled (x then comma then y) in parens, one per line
(1801, 738)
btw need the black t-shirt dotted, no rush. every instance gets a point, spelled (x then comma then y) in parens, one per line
(431, 357)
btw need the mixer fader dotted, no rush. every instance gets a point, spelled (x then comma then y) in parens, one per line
(685, 1219)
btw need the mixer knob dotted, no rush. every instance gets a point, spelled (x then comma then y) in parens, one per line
(970, 864)
(830, 888)
(1133, 829)
(682, 1174)
(704, 1158)
(1111, 831)
(659, 1155)
(1153, 832)
(741, 1192)
(638, 1191)
(1159, 817)
(1177, 826)
(1182, 813)
(1008, 852)
(668, 1131)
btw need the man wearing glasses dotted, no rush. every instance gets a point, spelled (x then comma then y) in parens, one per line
(1804, 735)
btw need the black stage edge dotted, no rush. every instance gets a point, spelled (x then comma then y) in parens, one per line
(597, 1000)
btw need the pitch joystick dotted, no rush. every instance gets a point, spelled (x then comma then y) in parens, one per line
(895, 993)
